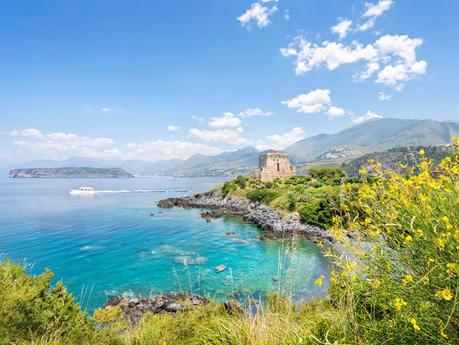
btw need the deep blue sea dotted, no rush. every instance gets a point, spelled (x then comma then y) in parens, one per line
(119, 242)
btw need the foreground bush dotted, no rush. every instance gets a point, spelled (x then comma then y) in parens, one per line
(405, 290)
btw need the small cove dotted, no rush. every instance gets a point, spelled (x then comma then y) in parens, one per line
(121, 243)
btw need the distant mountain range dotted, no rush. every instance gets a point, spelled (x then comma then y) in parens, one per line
(372, 136)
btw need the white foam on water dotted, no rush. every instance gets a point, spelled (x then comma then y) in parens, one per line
(160, 190)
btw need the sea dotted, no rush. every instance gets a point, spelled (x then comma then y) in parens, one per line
(118, 242)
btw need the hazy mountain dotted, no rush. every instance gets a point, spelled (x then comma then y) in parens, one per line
(376, 135)
(225, 164)
(75, 172)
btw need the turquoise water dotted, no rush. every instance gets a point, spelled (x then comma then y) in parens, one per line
(119, 242)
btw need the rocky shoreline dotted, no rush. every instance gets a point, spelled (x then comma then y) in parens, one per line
(271, 221)
(135, 308)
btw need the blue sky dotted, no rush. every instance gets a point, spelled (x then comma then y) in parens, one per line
(162, 79)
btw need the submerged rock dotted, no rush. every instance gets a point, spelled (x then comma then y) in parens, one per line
(189, 260)
(220, 268)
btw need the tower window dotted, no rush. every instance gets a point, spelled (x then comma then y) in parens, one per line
(278, 167)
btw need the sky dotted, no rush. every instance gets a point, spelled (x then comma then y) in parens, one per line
(155, 80)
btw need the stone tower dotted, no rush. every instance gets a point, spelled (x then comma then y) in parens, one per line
(274, 165)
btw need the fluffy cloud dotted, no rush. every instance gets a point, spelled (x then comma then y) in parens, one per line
(173, 128)
(383, 97)
(281, 141)
(31, 144)
(392, 58)
(336, 111)
(258, 13)
(370, 115)
(310, 103)
(342, 28)
(228, 136)
(250, 112)
(163, 149)
(373, 11)
(228, 120)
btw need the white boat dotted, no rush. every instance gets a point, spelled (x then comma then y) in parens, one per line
(83, 190)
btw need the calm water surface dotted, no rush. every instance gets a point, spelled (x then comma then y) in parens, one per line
(119, 242)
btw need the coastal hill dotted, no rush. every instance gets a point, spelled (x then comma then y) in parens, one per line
(373, 136)
(69, 172)
(239, 162)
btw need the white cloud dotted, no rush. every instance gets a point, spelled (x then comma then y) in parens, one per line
(373, 11)
(228, 120)
(228, 136)
(173, 128)
(342, 28)
(286, 14)
(163, 149)
(32, 144)
(336, 111)
(370, 115)
(310, 103)
(392, 58)
(258, 13)
(281, 141)
(250, 112)
(107, 110)
(383, 97)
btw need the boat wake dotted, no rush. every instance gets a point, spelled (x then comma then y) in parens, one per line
(160, 190)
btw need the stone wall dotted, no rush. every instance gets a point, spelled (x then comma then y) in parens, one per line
(274, 165)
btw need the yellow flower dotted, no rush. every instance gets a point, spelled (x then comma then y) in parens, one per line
(362, 170)
(446, 294)
(408, 279)
(422, 152)
(319, 281)
(451, 267)
(399, 303)
(425, 280)
(443, 334)
(441, 243)
(408, 239)
(415, 325)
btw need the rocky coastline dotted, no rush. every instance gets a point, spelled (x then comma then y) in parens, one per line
(273, 222)
(135, 308)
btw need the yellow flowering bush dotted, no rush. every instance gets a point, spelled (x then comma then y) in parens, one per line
(402, 230)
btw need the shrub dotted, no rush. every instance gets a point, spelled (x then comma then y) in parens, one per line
(406, 287)
(261, 195)
(31, 309)
(327, 175)
(241, 181)
(228, 187)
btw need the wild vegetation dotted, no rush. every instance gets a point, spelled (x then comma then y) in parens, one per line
(314, 197)
(402, 288)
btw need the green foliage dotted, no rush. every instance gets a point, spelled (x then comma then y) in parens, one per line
(241, 181)
(228, 187)
(329, 176)
(31, 309)
(318, 213)
(261, 195)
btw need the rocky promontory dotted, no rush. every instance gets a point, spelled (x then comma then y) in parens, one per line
(274, 223)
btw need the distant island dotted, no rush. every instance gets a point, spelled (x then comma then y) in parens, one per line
(69, 172)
